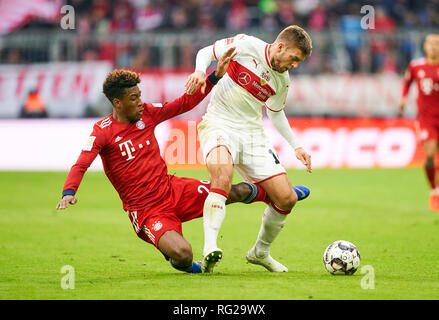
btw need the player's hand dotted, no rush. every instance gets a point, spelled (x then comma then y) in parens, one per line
(401, 108)
(65, 201)
(194, 81)
(224, 61)
(305, 158)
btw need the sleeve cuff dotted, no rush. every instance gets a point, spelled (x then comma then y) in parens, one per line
(274, 110)
(68, 192)
(213, 78)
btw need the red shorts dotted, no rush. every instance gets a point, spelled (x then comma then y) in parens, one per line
(427, 131)
(185, 202)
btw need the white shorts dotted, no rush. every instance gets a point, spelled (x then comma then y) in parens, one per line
(253, 155)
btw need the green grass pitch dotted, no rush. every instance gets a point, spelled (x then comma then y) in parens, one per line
(384, 212)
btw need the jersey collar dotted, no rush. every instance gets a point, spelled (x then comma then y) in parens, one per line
(267, 47)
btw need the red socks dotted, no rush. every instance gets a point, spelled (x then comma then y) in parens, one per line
(256, 194)
(430, 173)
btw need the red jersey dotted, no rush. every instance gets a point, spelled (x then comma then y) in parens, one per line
(427, 80)
(130, 153)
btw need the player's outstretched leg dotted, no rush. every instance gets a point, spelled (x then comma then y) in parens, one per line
(194, 268)
(240, 193)
(179, 251)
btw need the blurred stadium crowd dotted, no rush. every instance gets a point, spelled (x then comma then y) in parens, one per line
(237, 15)
(136, 33)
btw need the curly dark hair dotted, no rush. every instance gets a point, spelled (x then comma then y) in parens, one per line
(117, 81)
(296, 37)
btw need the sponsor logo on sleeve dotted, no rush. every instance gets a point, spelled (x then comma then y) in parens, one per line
(89, 144)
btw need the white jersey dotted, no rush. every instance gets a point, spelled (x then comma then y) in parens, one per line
(250, 83)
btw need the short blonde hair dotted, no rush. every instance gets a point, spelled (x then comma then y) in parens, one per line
(297, 37)
(431, 35)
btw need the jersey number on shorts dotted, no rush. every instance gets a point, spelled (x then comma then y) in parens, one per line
(276, 159)
(201, 187)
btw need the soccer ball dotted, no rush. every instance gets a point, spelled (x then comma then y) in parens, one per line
(341, 257)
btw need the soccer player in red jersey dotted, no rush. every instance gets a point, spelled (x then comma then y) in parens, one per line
(157, 202)
(425, 72)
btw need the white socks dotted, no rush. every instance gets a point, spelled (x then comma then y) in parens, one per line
(272, 224)
(214, 212)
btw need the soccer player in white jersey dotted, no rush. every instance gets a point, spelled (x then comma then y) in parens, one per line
(232, 135)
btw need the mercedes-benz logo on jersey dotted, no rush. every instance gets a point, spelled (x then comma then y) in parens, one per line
(244, 78)
(140, 124)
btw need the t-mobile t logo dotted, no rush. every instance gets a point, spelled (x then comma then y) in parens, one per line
(128, 146)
